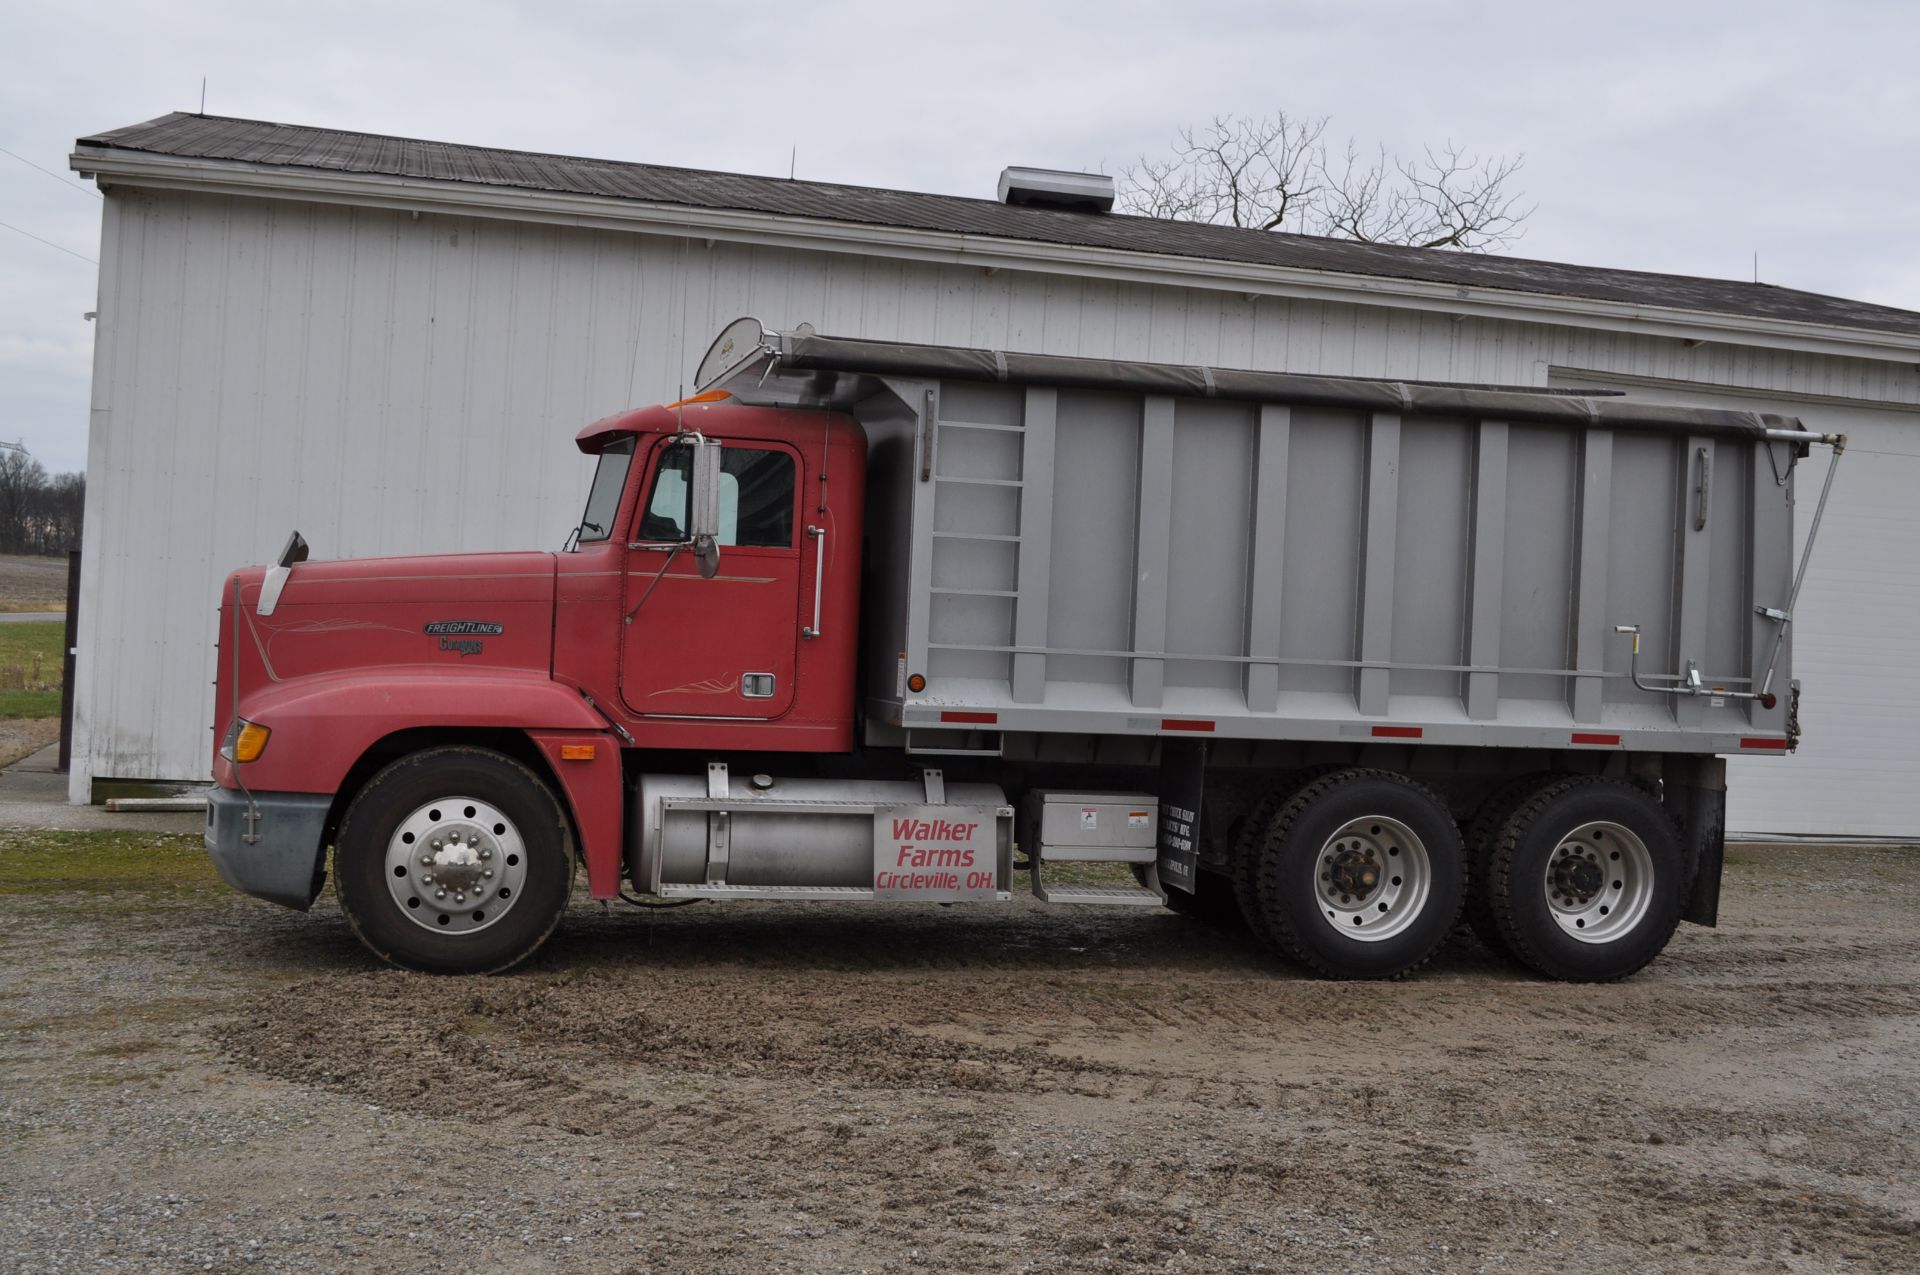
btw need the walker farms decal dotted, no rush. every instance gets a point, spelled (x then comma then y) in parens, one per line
(936, 854)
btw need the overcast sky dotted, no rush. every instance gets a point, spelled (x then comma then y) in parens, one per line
(1670, 136)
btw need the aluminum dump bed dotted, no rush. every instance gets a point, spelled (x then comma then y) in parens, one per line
(1114, 548)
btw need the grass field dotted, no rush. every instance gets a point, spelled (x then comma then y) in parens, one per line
(30, 669)
(33, 583)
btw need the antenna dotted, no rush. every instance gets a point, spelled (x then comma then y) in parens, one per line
(793, 158)
(203, 95)
(1756, 265)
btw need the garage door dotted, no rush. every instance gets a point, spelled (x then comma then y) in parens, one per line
(1856, 631)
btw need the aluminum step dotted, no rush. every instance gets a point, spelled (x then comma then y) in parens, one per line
(810, 892)
(800, 893)
(1112, 896)
(1120, 896)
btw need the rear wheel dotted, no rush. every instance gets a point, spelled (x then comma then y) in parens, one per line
(1586, 880)
(1481, 834)
(453, 861)
(1247, 850)
(1360, 875)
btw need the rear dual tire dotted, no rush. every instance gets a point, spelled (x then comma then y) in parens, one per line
(1585, 880)
(1359, 874)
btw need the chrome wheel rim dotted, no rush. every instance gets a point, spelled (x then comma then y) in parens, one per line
(1372, 878)
(456, 865)
(1599, 882)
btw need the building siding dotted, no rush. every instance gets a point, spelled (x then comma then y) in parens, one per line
(391, 383)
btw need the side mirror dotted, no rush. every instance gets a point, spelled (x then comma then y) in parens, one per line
(704, 514)
(276, 577)
(706, 555)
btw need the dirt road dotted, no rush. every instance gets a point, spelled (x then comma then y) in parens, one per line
(195, 1080)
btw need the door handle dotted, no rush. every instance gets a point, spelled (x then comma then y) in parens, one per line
(819, 535)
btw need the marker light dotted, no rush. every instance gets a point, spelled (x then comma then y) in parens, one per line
(710, 396)
(916, 683)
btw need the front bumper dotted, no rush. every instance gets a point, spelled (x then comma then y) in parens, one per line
(288, 861)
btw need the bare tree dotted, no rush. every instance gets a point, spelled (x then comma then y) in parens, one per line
(38, 514)
(21, 478)
(1275, 173)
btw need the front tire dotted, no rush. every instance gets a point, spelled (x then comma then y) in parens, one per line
(1361, 875)
(1586, 880)
(453, 861)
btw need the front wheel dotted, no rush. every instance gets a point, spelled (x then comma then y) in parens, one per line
(1361, 874)
(453, 861)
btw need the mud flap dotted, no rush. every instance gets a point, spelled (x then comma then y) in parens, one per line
(1183, 769)
(1696, 791)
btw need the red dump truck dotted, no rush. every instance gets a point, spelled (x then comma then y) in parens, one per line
(1339, 660)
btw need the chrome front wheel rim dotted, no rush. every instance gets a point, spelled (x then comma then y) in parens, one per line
(1599, 882)
(1372, 878)
(456, 865)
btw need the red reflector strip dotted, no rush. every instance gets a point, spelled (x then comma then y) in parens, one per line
(1182, 723)
(1580, 737)
(1399, 732)
(980, 719)
(1758, 742)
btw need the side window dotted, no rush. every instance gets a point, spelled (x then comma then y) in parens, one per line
(666, 514)
(756, 498)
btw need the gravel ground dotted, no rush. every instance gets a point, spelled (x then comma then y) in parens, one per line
(191, 1080)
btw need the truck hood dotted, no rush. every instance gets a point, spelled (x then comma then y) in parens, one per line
(487, 610)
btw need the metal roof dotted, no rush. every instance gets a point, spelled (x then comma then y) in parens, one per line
(258, 142)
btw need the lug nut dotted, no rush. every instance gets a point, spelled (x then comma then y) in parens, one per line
(488, 873)
(439, 894)
(486, 854)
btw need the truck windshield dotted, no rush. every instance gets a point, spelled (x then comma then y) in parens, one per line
(603, 500)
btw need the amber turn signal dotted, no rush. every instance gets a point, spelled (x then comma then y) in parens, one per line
(577, 752)
(250, 742)
(916, 683)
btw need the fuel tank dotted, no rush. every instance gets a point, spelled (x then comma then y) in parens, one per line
(786, 832)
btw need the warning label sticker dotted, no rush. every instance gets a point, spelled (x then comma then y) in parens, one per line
(934, 854)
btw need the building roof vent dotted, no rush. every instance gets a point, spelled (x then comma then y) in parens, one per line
(1051, 188)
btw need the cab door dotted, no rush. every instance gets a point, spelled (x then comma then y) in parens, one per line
(723, 647)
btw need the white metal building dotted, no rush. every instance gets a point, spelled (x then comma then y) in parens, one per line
(389, 344)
